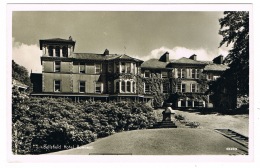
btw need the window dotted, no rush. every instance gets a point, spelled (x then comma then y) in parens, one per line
(64, 51)
(183, 103)
(109, 86)
(165, 88)
(197, 73)
(183, 88)
(147, 74)
(133, 68)
(57, 51)
(193, 87)
(128, 67)
(146, 88)
(82, 68)
(98, 68)
(128, 86)
(164, 74)
(117, 67)
(193, 73)
(50, 51)
(123, 86)
(57, 86)
(98, 87)
(181, 73)
(109, 67)
(82, 86)
(57, 66)
(134, 87)
(123, 69)
(117, 87)
(178, 89)
(210, 76)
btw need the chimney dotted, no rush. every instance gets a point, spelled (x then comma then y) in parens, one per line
(218, 59)
(106, 52)
(165, 57)
(194, 57)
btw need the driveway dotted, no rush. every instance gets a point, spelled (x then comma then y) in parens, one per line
(238, 123)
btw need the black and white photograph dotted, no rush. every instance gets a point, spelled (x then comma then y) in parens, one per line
(144, 80)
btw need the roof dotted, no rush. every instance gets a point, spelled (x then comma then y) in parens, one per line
(102, 57)
(184, 60)
(55, 40)
(59, 39)
(216, 67)
(154, 63)
(19, 84)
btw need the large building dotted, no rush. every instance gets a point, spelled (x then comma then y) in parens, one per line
(86, 75)
(115, 77)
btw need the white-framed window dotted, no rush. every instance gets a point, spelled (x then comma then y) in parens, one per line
(123, 86)
(197, 73)
(57, 85)
(82, 67)
(82, 86)
(193, 73)
(147, 88)
(193, 87)
(57, 66)
(98, 68)
(128, 86)
(181, 73)
(128, 67)
(164, 74)
(98, 88)
(147, 74)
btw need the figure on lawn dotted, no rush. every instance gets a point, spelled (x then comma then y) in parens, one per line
(168, 112)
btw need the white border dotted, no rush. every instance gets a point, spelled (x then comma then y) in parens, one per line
(140, 7)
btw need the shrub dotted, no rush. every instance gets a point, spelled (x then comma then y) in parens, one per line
(179, 117)
(192, 124)
(49, 124)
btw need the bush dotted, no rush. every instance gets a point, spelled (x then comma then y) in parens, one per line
(192, 124)
(55, 124)
(179, 117)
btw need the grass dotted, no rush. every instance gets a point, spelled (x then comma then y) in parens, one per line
(181, 141)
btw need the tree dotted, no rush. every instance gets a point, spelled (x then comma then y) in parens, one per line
(234, 27)
(20, 73)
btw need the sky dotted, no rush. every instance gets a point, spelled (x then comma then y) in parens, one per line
(141, 34)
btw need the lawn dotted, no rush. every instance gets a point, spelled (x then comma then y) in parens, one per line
(180, 141)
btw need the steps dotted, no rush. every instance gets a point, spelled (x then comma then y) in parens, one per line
(241, 139)
(165, 124)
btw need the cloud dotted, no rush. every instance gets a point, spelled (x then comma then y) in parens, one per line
(27, 56)
(179, 52)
